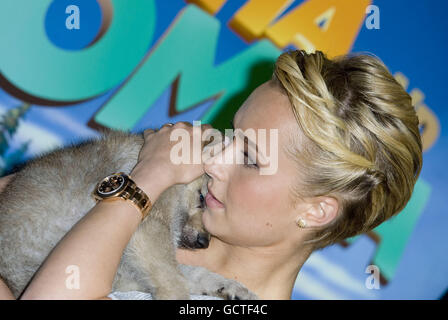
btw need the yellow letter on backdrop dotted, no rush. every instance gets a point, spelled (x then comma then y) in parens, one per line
(211, 6)
(254, 17)
(327, 25)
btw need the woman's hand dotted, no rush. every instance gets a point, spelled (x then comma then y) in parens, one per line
(155, 157)
(95, 244)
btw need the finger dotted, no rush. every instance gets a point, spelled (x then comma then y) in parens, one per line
(147, 132)
(166, 125)
(187, 124)
(214, 137)
(206, 126)
(208, 139)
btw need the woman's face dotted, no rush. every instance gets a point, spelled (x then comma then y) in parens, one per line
(254, 209)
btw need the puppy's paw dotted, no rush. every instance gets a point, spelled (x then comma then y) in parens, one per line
(230, 290)
(205, 282)
(233, 290)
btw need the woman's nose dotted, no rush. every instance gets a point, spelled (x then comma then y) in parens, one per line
(217, 164)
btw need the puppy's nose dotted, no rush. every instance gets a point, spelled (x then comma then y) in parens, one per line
(202, 240)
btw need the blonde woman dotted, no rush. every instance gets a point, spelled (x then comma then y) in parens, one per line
(349, 154)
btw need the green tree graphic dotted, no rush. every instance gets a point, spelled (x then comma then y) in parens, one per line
(9, 123)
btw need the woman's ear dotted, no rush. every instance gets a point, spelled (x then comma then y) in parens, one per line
(321, 211)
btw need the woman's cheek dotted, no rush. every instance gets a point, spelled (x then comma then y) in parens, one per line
(251, 203)
(257, 196)
(215, 224)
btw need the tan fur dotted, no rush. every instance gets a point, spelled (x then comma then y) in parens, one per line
(51, 193)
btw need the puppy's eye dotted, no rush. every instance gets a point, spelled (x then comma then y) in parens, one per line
(202, 200)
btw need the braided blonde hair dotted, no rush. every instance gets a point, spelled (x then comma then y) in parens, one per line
(361, 138)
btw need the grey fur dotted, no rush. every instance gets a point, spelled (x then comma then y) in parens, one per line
(52, 192)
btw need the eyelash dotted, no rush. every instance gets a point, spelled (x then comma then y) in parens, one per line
(252, 165)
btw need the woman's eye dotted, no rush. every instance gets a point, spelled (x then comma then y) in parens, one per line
(248, 162)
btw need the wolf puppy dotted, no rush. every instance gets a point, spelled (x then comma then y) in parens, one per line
(52, 193)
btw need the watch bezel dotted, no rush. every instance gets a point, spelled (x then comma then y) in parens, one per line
(113, 193)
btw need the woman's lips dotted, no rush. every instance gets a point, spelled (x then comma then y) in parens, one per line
(212, 202)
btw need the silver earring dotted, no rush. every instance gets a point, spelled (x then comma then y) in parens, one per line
(301, 223)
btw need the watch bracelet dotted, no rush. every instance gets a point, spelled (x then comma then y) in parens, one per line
(138, 197)
(131, 193)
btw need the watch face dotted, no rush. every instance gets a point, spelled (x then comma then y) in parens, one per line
(111, 184)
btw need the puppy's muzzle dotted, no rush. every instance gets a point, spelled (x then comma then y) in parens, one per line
(202, 240)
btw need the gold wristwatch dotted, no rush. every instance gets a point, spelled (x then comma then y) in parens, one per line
(120, 186)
